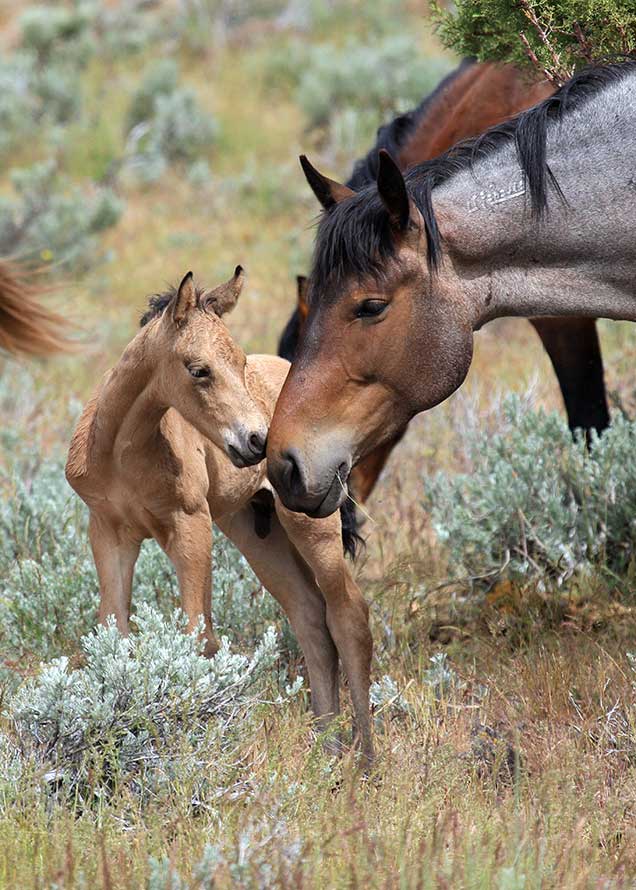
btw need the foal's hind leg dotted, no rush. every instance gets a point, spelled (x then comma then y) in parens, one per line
(188, 544)
(115, 556)
(284, 574)
(319, 542)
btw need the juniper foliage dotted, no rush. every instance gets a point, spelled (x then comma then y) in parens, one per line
(552, 38)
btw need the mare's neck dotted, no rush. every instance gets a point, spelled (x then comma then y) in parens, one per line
(580, 259)
(128, 409)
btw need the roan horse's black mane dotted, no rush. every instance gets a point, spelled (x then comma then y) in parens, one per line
(355, 237)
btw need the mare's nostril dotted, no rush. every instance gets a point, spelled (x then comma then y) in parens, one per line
(292, 472)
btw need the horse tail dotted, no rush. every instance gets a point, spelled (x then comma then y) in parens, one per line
(25, 325)
(352, 540)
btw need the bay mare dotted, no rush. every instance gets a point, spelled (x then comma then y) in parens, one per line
(537, 217)
(473, 97)
(172, 442)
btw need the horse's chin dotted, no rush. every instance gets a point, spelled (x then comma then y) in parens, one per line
(330, 503)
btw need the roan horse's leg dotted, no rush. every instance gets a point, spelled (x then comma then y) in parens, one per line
(575, 353)
(188, 544)
(319, 543)
(115, 556)
(284, 574)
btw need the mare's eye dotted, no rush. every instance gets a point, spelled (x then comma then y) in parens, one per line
(371, 308)
(199, 372)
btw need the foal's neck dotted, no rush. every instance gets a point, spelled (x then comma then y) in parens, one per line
(580, 259)
(128, 408)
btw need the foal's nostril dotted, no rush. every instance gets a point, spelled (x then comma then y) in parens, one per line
(257, 443)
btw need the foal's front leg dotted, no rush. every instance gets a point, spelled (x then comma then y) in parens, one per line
(188, 544)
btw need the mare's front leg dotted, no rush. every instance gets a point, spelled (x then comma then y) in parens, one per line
(285, 575)
(188, 544)
(319, 542)
(115, 555)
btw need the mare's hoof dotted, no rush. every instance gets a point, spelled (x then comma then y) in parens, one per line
(211, 647)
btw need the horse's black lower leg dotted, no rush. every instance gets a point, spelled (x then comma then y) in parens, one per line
(575, 353)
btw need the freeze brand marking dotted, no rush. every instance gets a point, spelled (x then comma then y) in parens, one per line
(483, 200)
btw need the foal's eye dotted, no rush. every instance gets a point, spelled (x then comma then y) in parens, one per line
(199, 372)
(371, 308)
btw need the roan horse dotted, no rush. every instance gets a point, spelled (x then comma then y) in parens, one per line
(472, 98)
(535, 217)
(174, 440)
(27, 327)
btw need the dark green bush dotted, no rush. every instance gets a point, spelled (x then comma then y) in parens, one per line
(553, 37)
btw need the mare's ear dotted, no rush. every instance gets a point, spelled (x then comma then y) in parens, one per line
(302, 287)
(392, 190)
(223, 298)
(185, 300)
(328, 191)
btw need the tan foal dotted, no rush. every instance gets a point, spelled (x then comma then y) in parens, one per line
(174, 440)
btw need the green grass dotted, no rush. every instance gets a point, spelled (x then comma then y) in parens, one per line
(433, 814)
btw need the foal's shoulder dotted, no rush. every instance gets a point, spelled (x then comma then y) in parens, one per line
(266, 374)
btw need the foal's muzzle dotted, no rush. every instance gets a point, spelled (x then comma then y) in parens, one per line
(246, 447)
(317, 489)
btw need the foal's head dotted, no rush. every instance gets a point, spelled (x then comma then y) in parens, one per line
(377, 347)
(201, 370)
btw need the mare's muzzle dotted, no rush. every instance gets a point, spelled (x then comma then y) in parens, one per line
(316, 487)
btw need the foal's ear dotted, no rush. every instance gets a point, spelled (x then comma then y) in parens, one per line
(328, 191)
(392, 190)
(223, 298)
(302, 286)
(185, 300)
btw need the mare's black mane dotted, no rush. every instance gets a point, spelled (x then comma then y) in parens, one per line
(355, 237)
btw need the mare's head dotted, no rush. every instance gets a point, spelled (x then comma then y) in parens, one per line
(201, 370)
(378, 345)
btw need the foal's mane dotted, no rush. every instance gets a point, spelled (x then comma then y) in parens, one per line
(158, 302)
(355, 236)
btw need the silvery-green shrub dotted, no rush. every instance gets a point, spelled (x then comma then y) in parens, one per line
(166, 124)
(536, 503)
(160, 79)
(387, 702)
(54, 32)
(365, 76)
(139, 707)
(50, 219)
(264, 855)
